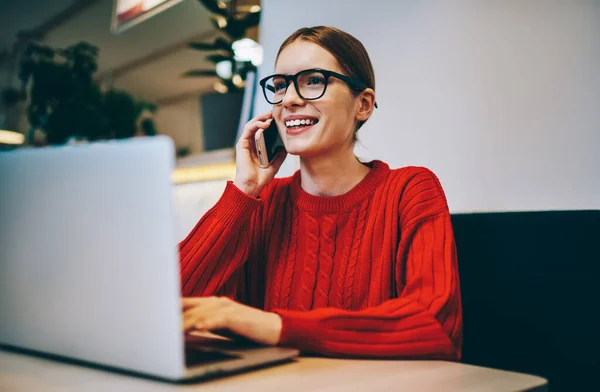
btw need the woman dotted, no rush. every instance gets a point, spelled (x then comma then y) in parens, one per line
(344, 258)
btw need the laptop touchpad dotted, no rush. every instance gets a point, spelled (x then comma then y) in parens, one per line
(200, 356)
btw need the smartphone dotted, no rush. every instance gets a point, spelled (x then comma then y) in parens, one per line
(268, 145)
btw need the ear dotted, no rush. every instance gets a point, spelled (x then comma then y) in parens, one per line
(366, 104)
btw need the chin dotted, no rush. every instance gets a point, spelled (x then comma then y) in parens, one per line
(305, 145)
(303, 150)
(295, 148)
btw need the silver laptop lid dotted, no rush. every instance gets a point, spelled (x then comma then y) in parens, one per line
(88, 258)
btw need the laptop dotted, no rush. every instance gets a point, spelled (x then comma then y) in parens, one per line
(89, 268)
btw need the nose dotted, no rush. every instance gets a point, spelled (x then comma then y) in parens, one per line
(291, 97)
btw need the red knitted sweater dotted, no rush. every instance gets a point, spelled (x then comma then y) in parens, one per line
(371, 273)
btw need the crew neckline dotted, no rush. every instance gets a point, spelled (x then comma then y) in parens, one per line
(328, 204)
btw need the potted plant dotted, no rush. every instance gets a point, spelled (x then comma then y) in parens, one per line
(65, 101)
(233, 21)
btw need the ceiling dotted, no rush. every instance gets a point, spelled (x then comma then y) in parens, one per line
(160, 80)
(159, 77)
(25, 15)
(146, 60)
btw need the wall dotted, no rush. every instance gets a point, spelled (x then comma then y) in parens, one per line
(191, 201)
(183, 122)
(14, 118)
(501, 99)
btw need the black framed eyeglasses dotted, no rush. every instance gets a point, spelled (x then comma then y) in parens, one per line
(310, 84)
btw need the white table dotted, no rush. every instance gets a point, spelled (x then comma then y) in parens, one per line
(20, 372)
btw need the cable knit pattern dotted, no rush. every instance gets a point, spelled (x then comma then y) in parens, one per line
(326, 256)
(339, 296)
(280, 266)
(370, 273)
(290, 266)
(311, 263)
(351, 271)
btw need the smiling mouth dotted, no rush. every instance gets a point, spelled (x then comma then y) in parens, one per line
(294, 124)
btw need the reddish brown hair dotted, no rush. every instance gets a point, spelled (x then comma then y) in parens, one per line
(349, 52)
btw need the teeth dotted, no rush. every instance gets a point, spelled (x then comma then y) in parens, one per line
(295, 123)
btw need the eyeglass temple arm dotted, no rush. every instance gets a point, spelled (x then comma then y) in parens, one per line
(356, 84)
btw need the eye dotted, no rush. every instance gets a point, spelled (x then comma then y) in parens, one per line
(280, 86)
(315, 79)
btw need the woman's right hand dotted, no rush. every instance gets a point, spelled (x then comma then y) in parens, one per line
(249, 176)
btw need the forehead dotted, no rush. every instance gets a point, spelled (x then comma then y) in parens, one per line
(302, 55)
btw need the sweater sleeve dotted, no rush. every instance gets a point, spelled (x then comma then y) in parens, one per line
(424, 321)
(219, 244)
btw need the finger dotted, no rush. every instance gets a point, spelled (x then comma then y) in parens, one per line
(190, 319)
(210, 314)
(198, 303)
(210, 323)
(259, 132)
(193, 318)
(188, 302)
(205, 320)
(202, 309)
(263, 117)
(261, 125)
(258, 121)
(264, 124)
(250, 131)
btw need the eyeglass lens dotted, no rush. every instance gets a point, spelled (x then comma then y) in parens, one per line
(309, 85)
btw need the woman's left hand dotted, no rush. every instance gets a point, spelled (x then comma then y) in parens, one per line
(214, 313)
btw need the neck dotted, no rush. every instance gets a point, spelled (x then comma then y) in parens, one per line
(331, 175)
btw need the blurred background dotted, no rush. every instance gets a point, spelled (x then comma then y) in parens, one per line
(165, 60)
(501, 99)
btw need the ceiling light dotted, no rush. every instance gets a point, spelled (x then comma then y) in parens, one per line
(237, 80)
(220, 87)
(11, 137)
(246, 49)
(221, 21)
(224, 69)
(255, 8)
(9, 124)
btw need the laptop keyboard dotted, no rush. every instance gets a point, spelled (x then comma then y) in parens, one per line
(198, 356)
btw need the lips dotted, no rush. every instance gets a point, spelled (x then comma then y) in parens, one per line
(299, 123)
(297, 130)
